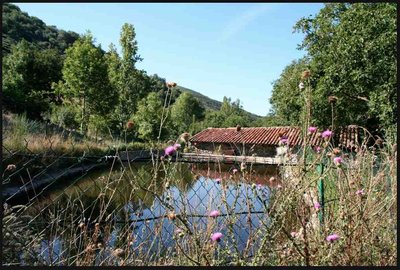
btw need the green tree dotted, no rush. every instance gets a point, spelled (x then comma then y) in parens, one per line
(27, 76)
(353, 50)
(86, 79)
(186, 111)
(229, 115)
(147, 118)
(286, 99)
(129, 92)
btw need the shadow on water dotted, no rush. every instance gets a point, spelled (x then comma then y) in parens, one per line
(123, 211)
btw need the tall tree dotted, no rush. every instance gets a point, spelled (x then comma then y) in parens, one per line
(128, 92)
(86, 79)
(354, 57)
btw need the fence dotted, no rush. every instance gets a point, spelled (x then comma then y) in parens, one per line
(85, 210)
(61, 209)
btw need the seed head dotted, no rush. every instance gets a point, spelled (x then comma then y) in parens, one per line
(129, 124)
(11, 167)
(306, 74)
(171, 215)
(119, 252)
(332, 99)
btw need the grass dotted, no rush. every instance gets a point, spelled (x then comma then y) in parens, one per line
(292, 235)
(27, 136)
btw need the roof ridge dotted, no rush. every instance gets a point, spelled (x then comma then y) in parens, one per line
(253, 127)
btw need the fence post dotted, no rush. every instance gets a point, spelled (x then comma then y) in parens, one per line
(320, 170)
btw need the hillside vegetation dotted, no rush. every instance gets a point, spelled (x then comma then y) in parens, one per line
(349, 72)
(64, 78)
(210, 103)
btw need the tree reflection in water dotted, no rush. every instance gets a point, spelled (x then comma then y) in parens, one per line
(128, 207)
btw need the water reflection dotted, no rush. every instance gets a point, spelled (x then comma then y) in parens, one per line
(131, 215)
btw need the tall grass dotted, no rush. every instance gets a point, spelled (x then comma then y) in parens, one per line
(291, 226)
(28, 136)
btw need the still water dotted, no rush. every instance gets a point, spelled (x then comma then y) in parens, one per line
(111, 198)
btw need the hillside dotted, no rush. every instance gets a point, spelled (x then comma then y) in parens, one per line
(210, 103)
(18, 25)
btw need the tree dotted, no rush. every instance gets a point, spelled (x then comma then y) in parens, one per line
(286, 99)
(86, 79)
(27, 76)
(185, 111)
(129, 92)
(354, 57)
(148, 118)
(229, 115)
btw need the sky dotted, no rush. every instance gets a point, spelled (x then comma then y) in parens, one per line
(218, 49)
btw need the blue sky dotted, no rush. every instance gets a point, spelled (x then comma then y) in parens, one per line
(218, 49)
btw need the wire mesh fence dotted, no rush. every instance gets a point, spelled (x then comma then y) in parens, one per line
(75, 214)
(63, 209)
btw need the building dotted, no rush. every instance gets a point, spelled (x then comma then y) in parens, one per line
(264, 141)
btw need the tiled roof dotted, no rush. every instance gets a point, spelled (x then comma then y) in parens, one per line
(347, 136)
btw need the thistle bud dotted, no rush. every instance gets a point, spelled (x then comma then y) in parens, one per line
(129, 125)
(332, 99)
(306, 74)
(119, 252)
(171, 215)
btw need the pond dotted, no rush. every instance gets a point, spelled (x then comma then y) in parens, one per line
(145, 213)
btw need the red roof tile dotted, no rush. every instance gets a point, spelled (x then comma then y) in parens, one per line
(348, 136)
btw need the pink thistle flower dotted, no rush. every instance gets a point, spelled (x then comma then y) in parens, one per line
(332, 237)
(317, 205)
(214, 214)
(234, 170)
(284, 140)
(312, 129)
(177, 145)
(318, 149)
(337, 161)
(218, 180)
(360, 192)
(169, 150)
(327, 134)
(294, 234)
(216, 237)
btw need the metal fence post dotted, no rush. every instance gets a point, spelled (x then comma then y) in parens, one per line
(320, 170)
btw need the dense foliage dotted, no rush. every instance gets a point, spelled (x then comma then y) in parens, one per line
(70, 81)
(27, 75)
(66, 79)
(18, 25)
(352, 55)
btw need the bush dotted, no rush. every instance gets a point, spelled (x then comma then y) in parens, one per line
(65, 116)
